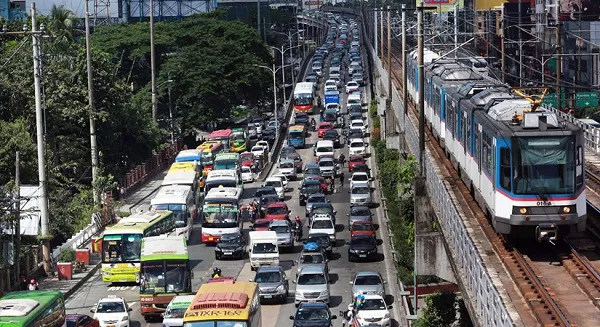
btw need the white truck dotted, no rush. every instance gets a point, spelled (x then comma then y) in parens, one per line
(263, 249)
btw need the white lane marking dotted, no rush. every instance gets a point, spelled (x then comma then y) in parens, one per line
(131, 304)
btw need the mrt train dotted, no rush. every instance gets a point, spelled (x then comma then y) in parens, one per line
(524, 165)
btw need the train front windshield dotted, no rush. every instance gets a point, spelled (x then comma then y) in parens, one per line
(544, 165)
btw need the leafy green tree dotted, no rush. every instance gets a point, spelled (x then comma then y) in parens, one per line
(62, 23)
(15, 136)
(439, 311)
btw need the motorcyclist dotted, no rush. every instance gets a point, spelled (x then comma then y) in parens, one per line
(298, 228)
(319, 102)
(313, 123)
(217, 272)
(33, 285)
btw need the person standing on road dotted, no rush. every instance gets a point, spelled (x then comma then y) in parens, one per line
(341, 180)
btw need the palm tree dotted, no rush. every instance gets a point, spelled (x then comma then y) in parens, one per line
(61, 23)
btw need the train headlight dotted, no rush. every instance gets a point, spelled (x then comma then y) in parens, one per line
(566, 209)
(523, 211)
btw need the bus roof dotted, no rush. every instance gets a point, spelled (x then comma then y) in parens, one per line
(180, 178)
(304, 88)
(189, 155)
(164, 248)
(227, 155)
(215, 301)
(181, 301)
(183, 166)
(172, 194)
(238, 130)
(208, 144)
(220, 133)
(297, 129)
(137, 222)
(17, 308)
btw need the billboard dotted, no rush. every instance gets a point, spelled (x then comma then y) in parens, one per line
(487, 4)
(443, 5)
(586, 10)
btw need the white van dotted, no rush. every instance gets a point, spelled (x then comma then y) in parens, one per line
(263, 249)
(324, 148)
(181, 201)
(173, 316)
(354, 98)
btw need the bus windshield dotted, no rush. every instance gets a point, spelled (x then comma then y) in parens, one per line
(207, 159)
(122, 248)
(303, 99)
(179, 212)
(220, 220)
(226, 164)
(167, 276)
(296, 136)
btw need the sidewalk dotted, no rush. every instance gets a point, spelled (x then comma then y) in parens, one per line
(143, 192)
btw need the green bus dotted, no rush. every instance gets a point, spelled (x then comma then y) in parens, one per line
(122, 244)
(238, 140)
(32, 309)
(166, 272)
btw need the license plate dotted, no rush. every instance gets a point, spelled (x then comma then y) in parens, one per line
(311, 301)
(362, 255)
(110, 325)
(228, 252)
(268, 296)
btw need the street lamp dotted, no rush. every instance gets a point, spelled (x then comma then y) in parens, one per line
(274, 72)
(289, 36)
(282, 51)
(169, 81)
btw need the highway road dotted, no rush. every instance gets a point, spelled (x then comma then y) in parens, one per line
(203, 259)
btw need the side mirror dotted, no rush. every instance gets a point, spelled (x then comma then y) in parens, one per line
(92, 310)
(390, 306)
(129, 309)
(385, 281)
(347, 215)
(162, 315)
(348, 192)
(334, 212)
(294, 281)
(335, 317)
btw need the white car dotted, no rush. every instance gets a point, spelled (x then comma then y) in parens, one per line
(247, 175)
(331, 82)
(264, 144)
(283, 178)
(112, 311)
(359, 177)
(360, 125)
(277, 183)
(374, 311)
(357, 146)
(287, 168)
(258, 151)
(322, 223)
(352, 86)
(259, 128)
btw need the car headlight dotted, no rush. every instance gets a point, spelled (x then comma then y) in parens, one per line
(358, 317)
(125, 318)
(106, 273)
(280, 288)
(386, 316)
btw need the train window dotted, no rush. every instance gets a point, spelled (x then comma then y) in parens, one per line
(505, 168)
(450, 117)
(579, 167)
(463, 129)
(477, 147)
(486, 153)
(468, 138)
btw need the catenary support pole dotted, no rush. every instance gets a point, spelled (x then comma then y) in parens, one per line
(17, 222)
(381, 35)
(92, 109)
(153, 63)
(404, 63)
(389, 56)
(456, 30)
(558, 66)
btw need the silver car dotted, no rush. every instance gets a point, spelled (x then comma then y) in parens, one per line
(328, 168)
(312, 285)
(368, 282)
(360, 194)
(272, 283)
(287, 167)
(285, 238)
(312, 258)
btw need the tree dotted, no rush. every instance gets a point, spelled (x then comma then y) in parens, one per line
(61, 23)
(439, 311)
(15, 136)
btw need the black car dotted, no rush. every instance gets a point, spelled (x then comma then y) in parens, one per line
(231, 246)
(362, 168)
(264, 202)
(355, 115)
(308, 187)
(362, 247)
(269, 136)
(259, 120)
(322, 239)
(301, 119)
(313, 314)
(264, 191)
(332, 135)
(353, 134)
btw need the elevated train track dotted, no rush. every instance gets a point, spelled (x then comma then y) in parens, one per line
(539, 270)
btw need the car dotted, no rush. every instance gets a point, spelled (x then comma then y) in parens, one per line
(374, 309)
(337, 80)
(359, 177)
(320, 179)
(322, 207)
(355, 160)
(311, 169)
(307, 188)
(298, 162)
(362, 247)
(353, 134)
(247, 159)
(360, 194)
(77, 320)
(313, 314)
(264, 191)
(285, 237)
(287, 167)
(359, 124)
(112, 311)
(277, 183)
(264, 144)
(325, 156)
(332, 135)
(312, 78)
(330, 82)
(301, 119)
(318, 70)
(367, 283)
(354, 115)
(323, 127)
(357, 146)
(362, 228)
(247, 174)
(361, 168)
(277, 211)
(354, 66)
(260, 225)
(358, 78)
(312, 285)
(322, 223)
(311, 256)
(264, 202)
(272, 283)
(359, 213)
(231, 245)
(287, 150)
(268, 136)
(352, 86)
(334, 107)
(322, 240)
(258, 151)
(328, 167)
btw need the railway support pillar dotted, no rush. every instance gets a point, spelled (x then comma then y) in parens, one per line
(429, 249)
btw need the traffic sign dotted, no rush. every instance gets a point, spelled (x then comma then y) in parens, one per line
(586, 99)
(551, 100)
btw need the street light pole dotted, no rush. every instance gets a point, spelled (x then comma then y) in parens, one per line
(153, 62)
(171, 115)
(275, 102)
(92, 109)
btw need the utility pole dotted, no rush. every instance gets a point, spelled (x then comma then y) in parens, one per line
(558, 65)
(171, 116)
(421, 96)
(275, 100)
(376, 33)
(292, 59)
(92, 109)
(456, 30)
(389, 57)
(41, 147)
(381, 35)
(258, 19)
(153, 62)
(17, 230)
(283, 75)
(404, 63)
(502, 43)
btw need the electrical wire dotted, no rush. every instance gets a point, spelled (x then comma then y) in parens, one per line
(15, 52)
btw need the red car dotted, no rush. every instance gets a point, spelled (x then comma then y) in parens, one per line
(355, 160)
(74, 320)
(261, 225)
(321, 180)
(247, 159)
(324, 127)
(362, 228)
(277, 211)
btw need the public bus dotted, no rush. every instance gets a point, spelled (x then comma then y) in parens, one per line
(44, 308)
(226, 161)
(185, 176)
(122, 244)
(297, 136)
(209, 150)
(223, 178)
(230, 303)
(223, 136)
(189, 156)
(304, 97)
(238, 140)
(223, 195)
(181, 201)
(166, 272)
(219, 219)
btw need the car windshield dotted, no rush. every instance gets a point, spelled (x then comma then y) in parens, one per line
(261, 248)
(229, 239)
(362, 241)
(288, 164)
(262, 192)
(276, 211)
(326, 163)
(280, 229)
(369, 280)
(316, 199)
(357, 124)
(311, 171)
(322, 209)
(360, 178)
(359, 211)
(360, 190)
(322, 224)
(320, 239)
(311, 279)
(361, 227)
(331, 133)
(110, 307)
(324, 149)
(261, 224)
(357, 144)
(268, 277)
(311, 188)
(304, 314)
(312, 258)
(373, 304)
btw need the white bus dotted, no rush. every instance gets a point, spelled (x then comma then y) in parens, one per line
(304, 97)
(220, 213)
(181, 201)
(224, 178)
(187, 177)
(223, 195)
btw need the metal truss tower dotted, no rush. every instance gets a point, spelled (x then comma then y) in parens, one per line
(166, 9)
(101, 12)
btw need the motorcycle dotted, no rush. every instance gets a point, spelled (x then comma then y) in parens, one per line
(297, 232)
